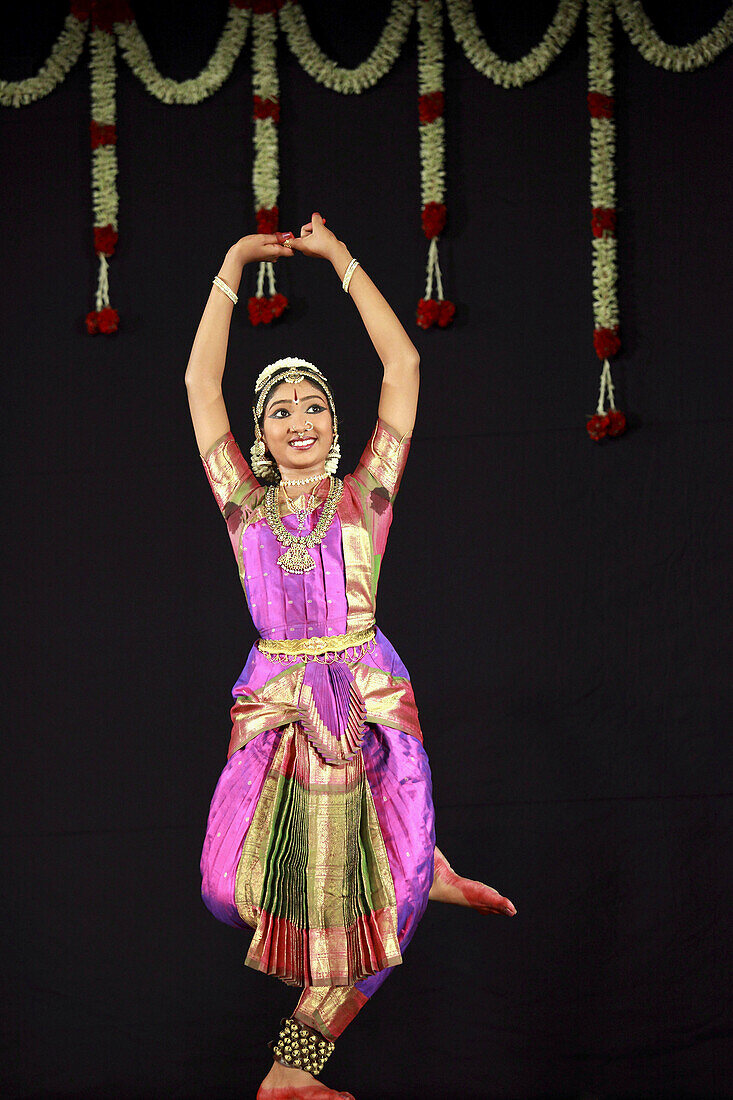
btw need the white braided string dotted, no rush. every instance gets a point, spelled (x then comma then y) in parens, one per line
(136, 53)
(64, 54)
(333, 76)
(512, 74)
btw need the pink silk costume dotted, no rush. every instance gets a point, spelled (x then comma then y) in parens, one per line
(321, 830)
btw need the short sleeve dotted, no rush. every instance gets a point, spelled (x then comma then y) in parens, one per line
(383, 461)
(229, 474)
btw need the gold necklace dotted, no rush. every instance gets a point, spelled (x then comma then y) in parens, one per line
(297, 559)
(310, 505)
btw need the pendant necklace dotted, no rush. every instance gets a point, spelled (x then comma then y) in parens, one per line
(297, 559)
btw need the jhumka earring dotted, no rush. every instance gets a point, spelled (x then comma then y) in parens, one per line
(262, 467)
(334, 453)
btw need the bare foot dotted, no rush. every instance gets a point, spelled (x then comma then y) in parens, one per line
(453, 888)
(284, 1083)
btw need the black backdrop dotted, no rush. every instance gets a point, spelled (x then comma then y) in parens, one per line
(562, 606)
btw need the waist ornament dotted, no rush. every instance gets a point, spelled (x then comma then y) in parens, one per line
(335, 647)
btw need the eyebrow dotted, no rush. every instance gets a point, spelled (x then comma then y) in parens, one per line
(288, 401)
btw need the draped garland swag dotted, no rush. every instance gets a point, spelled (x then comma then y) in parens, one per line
(110, 24)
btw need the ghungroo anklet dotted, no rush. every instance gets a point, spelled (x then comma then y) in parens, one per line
(300, 1046)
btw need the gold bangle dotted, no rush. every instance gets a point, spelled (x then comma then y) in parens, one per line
(348, 273)
(227, 289)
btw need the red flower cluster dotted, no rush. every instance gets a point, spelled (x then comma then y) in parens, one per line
(106, 320)
(80, 9)
(431, 311)
(600, 105)
(431, 106)
(606, 342)
(603, 221)
(266, 108)
(259, 7)
(105, 13)
(433, 218)
(103, 134)
(262, 310)
(267, 219)
(105, 239)
(611, 423)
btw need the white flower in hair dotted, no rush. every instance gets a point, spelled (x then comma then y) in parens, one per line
(283, 364)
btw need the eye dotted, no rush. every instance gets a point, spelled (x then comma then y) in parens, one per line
(316, 407)
(276, 413)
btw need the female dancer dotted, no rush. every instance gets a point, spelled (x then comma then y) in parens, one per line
(320, 835)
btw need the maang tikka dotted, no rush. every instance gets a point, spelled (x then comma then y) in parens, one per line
(292, 370)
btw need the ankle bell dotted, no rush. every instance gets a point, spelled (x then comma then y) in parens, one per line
(300, 1047)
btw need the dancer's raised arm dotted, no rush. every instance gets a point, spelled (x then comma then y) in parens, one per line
(399, 356)
(206, 363)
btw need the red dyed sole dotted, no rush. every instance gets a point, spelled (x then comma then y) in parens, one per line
(308, 1092)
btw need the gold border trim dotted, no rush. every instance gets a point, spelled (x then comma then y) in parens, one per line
(316, 646)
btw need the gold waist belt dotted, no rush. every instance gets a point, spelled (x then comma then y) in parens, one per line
(295, 647)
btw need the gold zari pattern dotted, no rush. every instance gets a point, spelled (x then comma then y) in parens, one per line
(335, 644)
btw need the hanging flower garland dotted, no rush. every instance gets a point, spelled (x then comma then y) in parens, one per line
(431, 104)
(136, 53)
(265, 164)
(110, 18)
(65, 53)
(696, 55)
(603, 210)
(325, 71)
(512, 74)
(103, 132)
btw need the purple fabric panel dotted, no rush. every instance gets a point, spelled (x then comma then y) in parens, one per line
(330, 687)
(230, 813)
(399, 775)
(385, 656)
(295, 605)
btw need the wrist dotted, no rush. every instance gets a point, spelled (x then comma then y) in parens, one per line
(237, 254)
(340, 257)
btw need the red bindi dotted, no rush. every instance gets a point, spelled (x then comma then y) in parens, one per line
(296, 399)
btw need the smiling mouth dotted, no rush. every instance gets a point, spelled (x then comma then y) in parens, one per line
(302, 444)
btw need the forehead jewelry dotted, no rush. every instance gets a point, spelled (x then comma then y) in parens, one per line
(294, 371)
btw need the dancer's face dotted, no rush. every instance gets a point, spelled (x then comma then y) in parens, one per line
(293, 446)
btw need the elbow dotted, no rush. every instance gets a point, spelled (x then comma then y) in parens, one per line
(407, 366)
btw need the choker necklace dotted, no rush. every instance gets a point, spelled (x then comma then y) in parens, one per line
(297, 559)
(302, 480)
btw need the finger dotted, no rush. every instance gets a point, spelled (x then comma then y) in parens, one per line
(305, 229)
(279, 250)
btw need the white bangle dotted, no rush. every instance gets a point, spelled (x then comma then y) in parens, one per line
(348, 273)
(227, 289)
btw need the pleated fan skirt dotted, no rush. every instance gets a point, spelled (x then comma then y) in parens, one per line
(329, 866)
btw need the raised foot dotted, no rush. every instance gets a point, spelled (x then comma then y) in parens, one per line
(456, 890)
(289, 1083)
